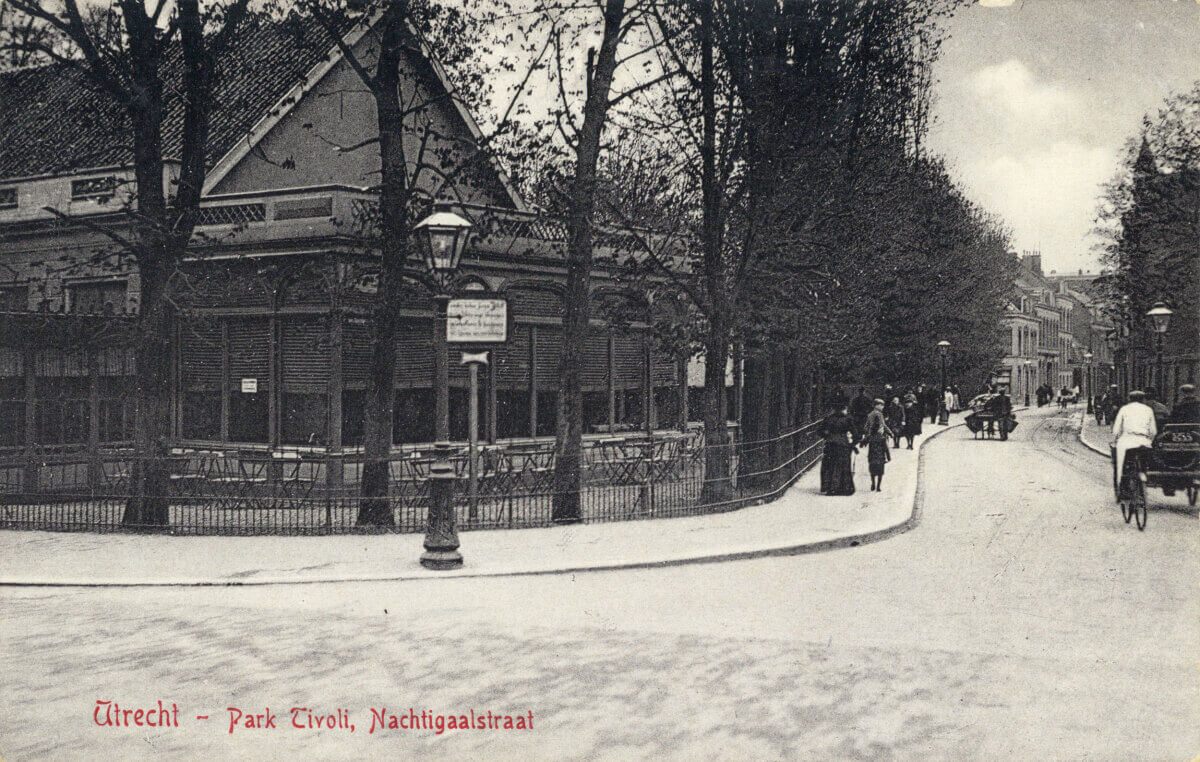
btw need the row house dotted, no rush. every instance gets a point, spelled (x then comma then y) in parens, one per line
(272, 339)
(1054, 325)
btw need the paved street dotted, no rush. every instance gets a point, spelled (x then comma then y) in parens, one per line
(1021, 619)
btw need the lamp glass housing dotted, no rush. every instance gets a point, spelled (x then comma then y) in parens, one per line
(443, 238)
(1161, 315)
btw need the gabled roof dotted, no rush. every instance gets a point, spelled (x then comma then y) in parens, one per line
(54, 120)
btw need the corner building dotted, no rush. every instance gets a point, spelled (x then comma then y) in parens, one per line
(272, 332)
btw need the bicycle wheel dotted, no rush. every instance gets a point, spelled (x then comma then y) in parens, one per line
(1192, 493)
(1126, 513)
(1137, 504)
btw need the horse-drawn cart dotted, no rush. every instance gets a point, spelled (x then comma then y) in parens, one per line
(991, 416)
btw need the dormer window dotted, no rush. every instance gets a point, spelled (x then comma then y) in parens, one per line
(8, 198)
(93, 188)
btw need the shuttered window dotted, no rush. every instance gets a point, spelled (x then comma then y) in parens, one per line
(356, 353)
(512, 360)
(595, 361)
(627, 349)
(249, 350)
(304, 356)
(549, 356)
(414, 355)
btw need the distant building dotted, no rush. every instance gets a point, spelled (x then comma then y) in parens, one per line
(1054, 324)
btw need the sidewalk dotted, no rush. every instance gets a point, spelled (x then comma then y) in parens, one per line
(1095, 436)
(801, 521)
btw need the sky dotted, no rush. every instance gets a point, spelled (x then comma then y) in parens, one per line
(1036, 99)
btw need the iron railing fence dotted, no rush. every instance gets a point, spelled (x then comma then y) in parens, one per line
(253, 491)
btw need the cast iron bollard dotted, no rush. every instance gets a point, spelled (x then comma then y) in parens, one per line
(441, 538)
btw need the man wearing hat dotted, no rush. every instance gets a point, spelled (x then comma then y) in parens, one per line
(1133, 427)
(1187, 407)
(1110, 402)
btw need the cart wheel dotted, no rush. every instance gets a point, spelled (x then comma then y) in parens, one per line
(1003, 432)
(1137, 504)
(1192, 493)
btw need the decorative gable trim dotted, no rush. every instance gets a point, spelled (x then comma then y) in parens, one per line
(242, 148)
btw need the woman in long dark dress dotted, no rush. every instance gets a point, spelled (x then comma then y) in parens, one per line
(837, 475)
(912, 418)
(875, 433)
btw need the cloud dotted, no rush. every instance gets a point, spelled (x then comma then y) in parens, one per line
(1048, 195)
(1012, 92)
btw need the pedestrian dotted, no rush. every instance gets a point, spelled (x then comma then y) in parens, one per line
(948, 400)
(912, 418)
(860, 408)
(875, 434)
(957, 397)
(932, 399)
(893, 415)
(1112, 401)
(1161, 411)
(1187, 407)
(1133, 428)
(837, 473)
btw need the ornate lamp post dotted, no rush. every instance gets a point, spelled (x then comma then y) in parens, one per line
(442, 237)
(1161, 314)
(943, 414)
(1087, 380)
(1112, 340)
(1028, 379)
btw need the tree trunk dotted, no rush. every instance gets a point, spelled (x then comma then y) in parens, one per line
(148, 504)
(717, 450)
(568, 463)
(717, 453)
(378, 410)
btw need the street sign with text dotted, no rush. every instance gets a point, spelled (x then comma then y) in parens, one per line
(477, 321)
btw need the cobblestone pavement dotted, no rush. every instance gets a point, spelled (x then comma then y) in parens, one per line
(1022, 619)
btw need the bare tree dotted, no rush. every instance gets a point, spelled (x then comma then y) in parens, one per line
(420, 162)
(150, 59)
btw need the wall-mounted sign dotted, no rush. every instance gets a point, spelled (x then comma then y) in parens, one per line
(477, 321)
(249, 386)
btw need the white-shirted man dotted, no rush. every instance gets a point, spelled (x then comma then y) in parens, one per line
(1133, 427)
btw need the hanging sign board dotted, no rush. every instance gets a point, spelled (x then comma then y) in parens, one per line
(249, 386)
(477, 321)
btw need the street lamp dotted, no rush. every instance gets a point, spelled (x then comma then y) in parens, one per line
(1028, 379)
(1112, 339)
(1087, 380)
(943, 414)
(1161, 314)
(442, 238)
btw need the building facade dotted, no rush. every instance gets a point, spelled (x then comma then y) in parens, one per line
(272, 336)
(1054, 325)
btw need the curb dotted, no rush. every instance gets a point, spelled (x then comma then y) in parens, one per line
(847, 541)
(1087, 444)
